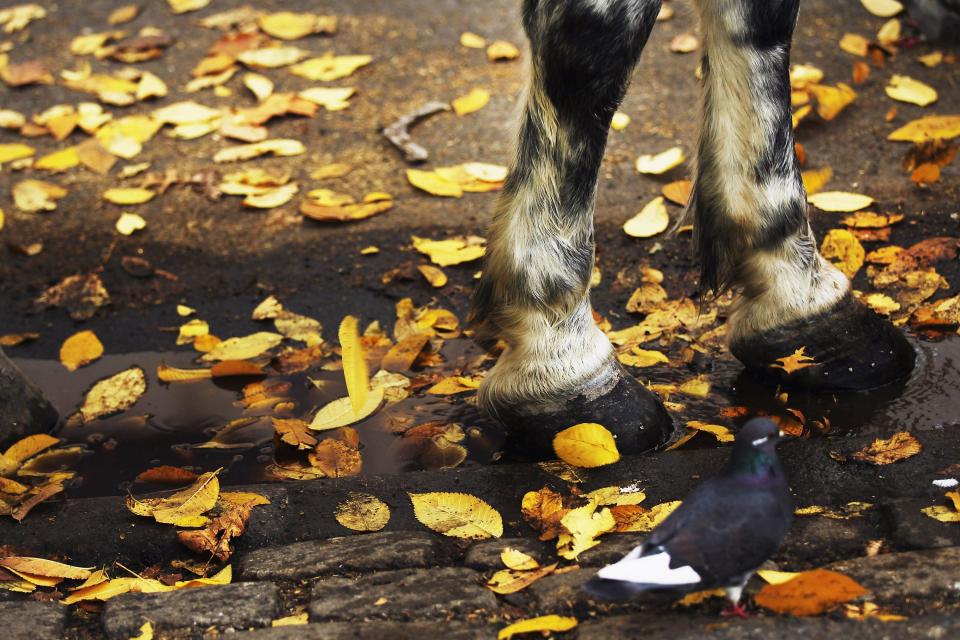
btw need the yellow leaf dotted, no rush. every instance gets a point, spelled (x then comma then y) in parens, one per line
(172, 374)
(433, 275)
(843, 249)
(651, 220)
(183, 6)
(662, 162)
(810, 593)
(776, 577)
(678, 192)
(928, 128)
(500, 50)
(854, 44)
(15, 151)
(882, 8)
(433, 184)
(244, 348)
(721, 433)
(273, 198)
(192, 330)
(473, 101)
(58, 160)
(330, 67)
(330, 98)
(518, 560)
(272, 57)
(128, 195)
(454, 385)
(698, 387)
(261, 86)
(458, 515)
(340, 413)
(508, 581)
(899, 446)
(114, 394)
(242, 498)
(28, 447)
(535, 625)
(840, 201)
(293, 26)
(642, 358)
(697, 597)
(451, 251)
(363, 512)
(37, 195)
(832, 100)
(472, 40)
(183, 507)
(651, 518)
(616, 496)
(43, 568)
(146, 632)
(80, 349)
(354, 365)
(281, 147)
(906, 89)
(292, 620)
(795, 361)
(815, 180)
(581, 528)
(881, 303)
(619, 121)
(586, 445)
(128, 223)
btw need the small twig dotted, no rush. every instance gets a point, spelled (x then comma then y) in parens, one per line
(398, 133)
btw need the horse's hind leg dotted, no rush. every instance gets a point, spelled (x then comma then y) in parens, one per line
(558, 368)
(750, 211)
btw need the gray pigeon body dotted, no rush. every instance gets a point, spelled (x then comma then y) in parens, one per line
(938, 19)
(720, 535)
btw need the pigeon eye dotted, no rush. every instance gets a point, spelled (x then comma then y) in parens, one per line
(760, 441)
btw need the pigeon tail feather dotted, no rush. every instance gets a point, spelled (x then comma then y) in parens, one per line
(652, 571)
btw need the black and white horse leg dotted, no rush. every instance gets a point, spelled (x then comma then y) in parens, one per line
(558, 369)
(750, 209)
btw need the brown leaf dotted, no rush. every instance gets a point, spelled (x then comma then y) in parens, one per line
(402, 355)
(810, 593)
(294, 432)
(215, 538)
(336, 459)
(899, 446)
(81, 295)
(24, 73)
(35, 497)
(166, 474)
(543, 511)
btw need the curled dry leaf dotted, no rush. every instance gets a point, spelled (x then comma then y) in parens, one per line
(216, 537)
(662, 162)
(80, 349)
(458, 515)
(362, 512)
(586, 445)
(899, 446)
(810, 593)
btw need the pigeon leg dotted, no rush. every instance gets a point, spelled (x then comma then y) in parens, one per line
(734, 595)
(557, 368)
(751, 223)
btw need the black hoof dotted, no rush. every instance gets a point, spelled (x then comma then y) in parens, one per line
(632, 413)
(853, 349)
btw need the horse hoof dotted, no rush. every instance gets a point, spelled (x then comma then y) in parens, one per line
(850, 348)
(632, 413)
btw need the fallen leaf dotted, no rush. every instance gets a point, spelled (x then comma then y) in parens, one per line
(854, 44)
(795, 361)
(678, 192)
(832, 100)
(114, 394)
(662, 162)
(216, 537)
(244, 348)
(330, 98)
(330, 67)
(619, 121)
(642, 520)
(451, 251)
(336, 459)
(272, 57)
(291, 620)
(58, 161)
(541, 624)
(184, 6)
(472, 40)
(433, 183)
(841, 247)
(166, 474)
(810, 593)
(507, 581)
(840, 201)
(129, 223)
(186, 507)
(651, 220)
(340, 413)
(281, 147)
(128, 195)
(362, 512)
(815, 180)
(37, 195)
(586, 445)
(925, 174)
(473, 101)
(287, 25)
(580, 529)
(928, 128)
(684, 43)
(458, 515)
(899, 446)
(501, 50)
(80, 349)
(882, 8)
(906, 89)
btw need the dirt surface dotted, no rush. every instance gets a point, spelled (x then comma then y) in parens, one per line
(224, 259)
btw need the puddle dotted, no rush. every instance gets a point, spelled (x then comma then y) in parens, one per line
(170, 421)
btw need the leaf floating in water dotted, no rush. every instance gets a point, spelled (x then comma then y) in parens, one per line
(80, 349)
(114, 394)
(340, 413)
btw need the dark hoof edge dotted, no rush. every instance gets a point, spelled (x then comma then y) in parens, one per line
(854, 350)
(632, 413)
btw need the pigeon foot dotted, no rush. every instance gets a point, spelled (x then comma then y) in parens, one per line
(845, 348)
(735, 610)
(632, 413)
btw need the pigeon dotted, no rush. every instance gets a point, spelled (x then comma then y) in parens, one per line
(720, 535)
(937, 19)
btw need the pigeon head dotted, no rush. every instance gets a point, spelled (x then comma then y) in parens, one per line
(754, 450)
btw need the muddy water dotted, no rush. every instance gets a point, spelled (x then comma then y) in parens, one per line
(171, 423)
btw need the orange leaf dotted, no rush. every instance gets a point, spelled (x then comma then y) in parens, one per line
(810, 593)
